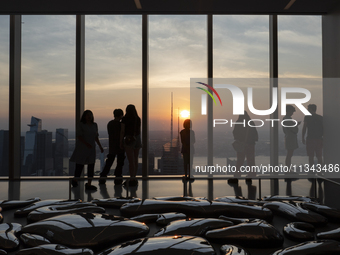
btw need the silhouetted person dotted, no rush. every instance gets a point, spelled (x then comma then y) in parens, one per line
(313, 125)
(291, 141)
(85, 151)
(114, 130)
(187, 139)
(130, 140)
(245, 136)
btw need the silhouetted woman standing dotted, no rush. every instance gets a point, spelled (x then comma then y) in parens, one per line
(85, 151)
(130, 140)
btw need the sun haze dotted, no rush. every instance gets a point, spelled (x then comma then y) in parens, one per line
(185, 114)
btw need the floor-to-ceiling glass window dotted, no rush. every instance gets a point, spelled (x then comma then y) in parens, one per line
(113, 72)
(240, 58)
(48, 94)
(300, 65)
(177, 52)
(4, 93)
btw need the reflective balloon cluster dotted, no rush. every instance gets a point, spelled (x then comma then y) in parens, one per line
(186, 225)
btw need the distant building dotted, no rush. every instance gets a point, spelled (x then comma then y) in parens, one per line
(151, 169)
(38, 156)
(43, 154)
(30, 146)
(61, 164)
(36, 124)
(171, 161)
(4, 151)
(30, 140)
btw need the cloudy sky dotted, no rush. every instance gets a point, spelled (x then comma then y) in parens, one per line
(177, 52)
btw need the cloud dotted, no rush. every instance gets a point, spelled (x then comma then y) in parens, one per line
(177, 52)
(48, 53)
(241, 46)
(300, 46)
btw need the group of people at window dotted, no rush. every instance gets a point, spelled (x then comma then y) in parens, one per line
(246, 137)
(125, 139)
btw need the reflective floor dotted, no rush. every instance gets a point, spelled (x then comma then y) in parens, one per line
(323, 190)
(60, 189)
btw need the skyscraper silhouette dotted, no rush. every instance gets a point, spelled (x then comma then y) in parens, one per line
(38, 157)
(61, 152)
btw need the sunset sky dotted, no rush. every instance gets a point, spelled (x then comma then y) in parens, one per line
(177, 52)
